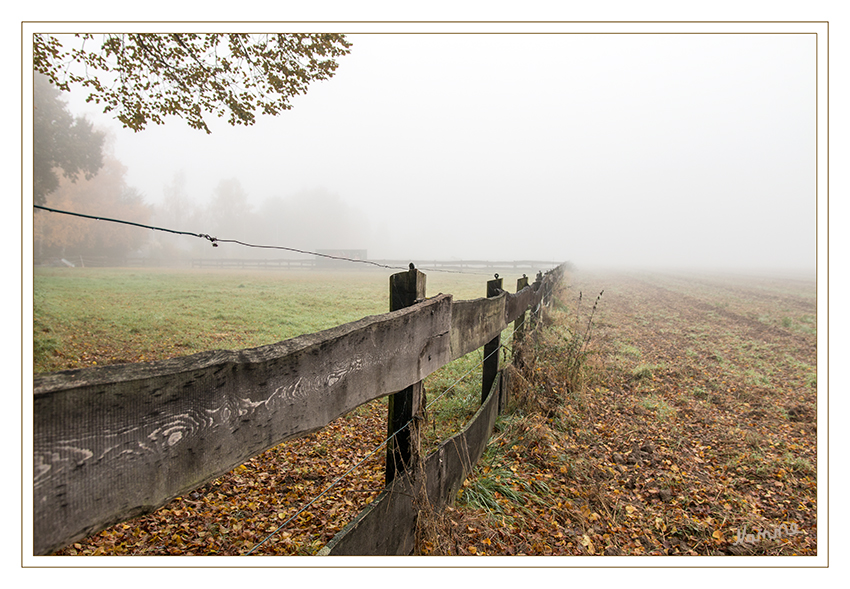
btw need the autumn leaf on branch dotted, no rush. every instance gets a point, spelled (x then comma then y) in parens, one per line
(144, 77)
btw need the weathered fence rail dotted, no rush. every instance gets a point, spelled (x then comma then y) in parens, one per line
(387, 526)
(114, 442)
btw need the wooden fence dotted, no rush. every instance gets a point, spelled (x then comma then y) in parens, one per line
(114, 442)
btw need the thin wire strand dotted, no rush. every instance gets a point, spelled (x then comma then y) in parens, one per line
(454, 384)
(99, 218)
(329, 487)
(215, 241)
(502, 346)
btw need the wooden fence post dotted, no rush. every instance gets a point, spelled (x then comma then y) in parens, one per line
(405, 289)
(519, 325)
(547, 290)
(535, 312)
(491, 348)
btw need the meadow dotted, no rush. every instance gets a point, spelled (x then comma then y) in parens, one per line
(95, 316)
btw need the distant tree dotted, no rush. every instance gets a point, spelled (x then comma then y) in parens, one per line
(230, 212)
(60, 141)
(105, 195)
(145, 77)
(176, 208)
(313, 219)
(176, 211)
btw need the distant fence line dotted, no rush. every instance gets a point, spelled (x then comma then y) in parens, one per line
(283, 263)
(115, 442)
(323, 263)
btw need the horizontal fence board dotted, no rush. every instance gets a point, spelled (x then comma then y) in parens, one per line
(118, 441)
(387, 525)
(455, 458)
(476, 322)
(517, 304)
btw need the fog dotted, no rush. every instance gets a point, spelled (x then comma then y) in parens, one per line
(614, 150)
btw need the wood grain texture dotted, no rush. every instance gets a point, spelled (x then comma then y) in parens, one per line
(517, 304)
(114, 442)
(476, 322)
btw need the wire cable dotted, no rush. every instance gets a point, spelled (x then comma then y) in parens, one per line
(215, 241)
(329, 487)
(100, 218)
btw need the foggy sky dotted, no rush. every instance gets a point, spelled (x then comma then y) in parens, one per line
(619, 150)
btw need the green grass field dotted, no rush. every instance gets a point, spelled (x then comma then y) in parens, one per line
(93, 316)
(89, 317)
